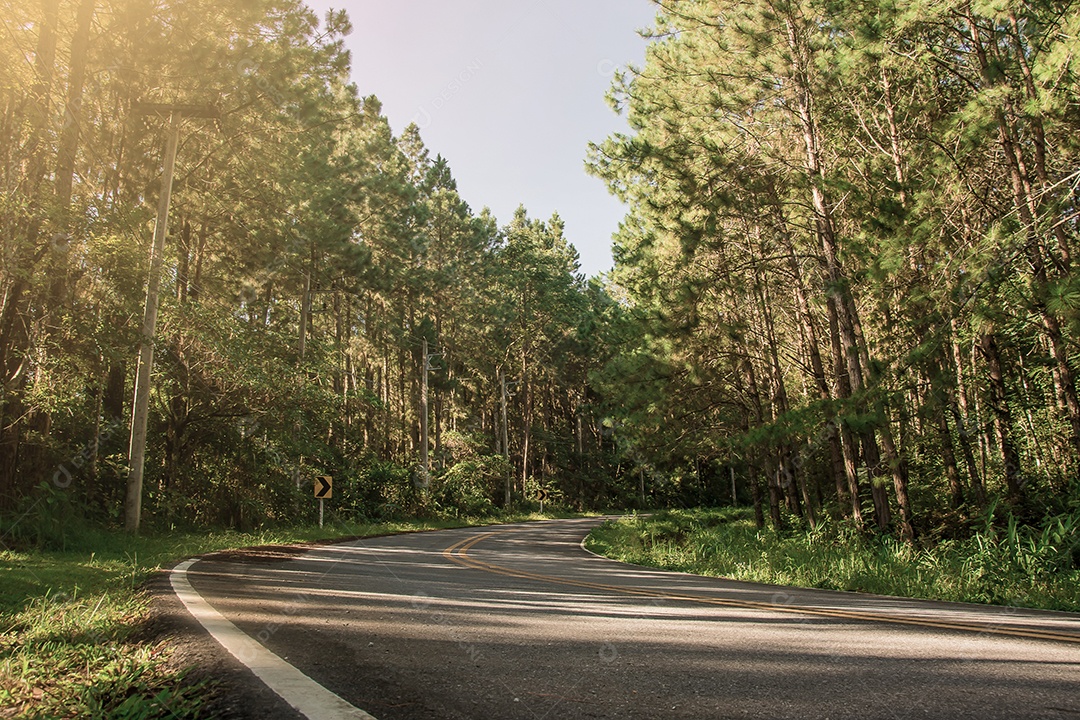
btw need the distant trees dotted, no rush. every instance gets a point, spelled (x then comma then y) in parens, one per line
(849, 254)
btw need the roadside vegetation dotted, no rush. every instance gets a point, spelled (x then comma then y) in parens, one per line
(74, 634)
(1002, 562)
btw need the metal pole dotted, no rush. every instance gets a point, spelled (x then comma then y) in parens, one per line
(320, 512)
(141, 405)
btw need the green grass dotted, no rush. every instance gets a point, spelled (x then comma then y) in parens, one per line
(1009, 565)
(72, 644)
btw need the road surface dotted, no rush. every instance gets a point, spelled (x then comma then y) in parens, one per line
(521, 622)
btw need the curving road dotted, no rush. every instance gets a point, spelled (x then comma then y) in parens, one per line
(520, 622)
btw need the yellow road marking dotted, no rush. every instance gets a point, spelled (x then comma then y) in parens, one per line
(458, 553)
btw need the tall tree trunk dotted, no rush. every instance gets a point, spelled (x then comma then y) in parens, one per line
(841, 305)
(67, 149)
(370, 415)
(384, 386)
(526, 420)
(817, 366)
(787, 468)
(848, 446)
(1002, 416)
(755, 494)
(894, 460)
(962, 418)
(775, 497)
(948, 458)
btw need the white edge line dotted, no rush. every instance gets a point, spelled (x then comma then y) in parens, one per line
(305, 695)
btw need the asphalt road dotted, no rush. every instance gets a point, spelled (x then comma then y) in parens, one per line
(521, 622)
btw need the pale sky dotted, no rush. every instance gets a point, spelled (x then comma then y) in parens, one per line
(510, 92)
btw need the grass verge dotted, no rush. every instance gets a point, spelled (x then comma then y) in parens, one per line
(72, 646)
(1008, 565)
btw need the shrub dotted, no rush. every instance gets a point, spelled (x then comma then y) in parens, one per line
(471, 486)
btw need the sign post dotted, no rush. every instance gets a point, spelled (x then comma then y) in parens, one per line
(542, 495)
(324, 488)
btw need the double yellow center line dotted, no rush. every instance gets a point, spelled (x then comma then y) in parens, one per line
(458, 553)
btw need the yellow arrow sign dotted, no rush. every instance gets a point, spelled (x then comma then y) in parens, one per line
(324, 487)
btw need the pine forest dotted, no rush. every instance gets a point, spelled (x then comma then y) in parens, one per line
(843, 291)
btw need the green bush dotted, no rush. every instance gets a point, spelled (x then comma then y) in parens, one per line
(383, 489)
(471, 487)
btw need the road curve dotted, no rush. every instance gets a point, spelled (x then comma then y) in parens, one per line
(519, 621)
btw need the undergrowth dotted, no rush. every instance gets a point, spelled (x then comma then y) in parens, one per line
(1001, 563)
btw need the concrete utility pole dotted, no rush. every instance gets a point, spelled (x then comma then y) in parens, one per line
(305, 318)
(425, 461)
(141, 404)
(505, 433)
(305, 314)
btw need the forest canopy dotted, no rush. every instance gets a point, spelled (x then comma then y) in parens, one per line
(843, 289)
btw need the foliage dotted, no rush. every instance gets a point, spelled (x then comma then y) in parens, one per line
(848, 264)
(472, 486)
(1002, 563)
(311, 252)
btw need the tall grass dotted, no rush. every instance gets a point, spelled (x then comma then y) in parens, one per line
(1008, 564)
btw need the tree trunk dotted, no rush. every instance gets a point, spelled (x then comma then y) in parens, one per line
(848, 446)
(67, 148)
(786, 467)
(755, 495)
(948, 458)
(750, 377)
(817, 366)
(14, 314)
(841, 305)
(1002, 417)
(962, 418)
